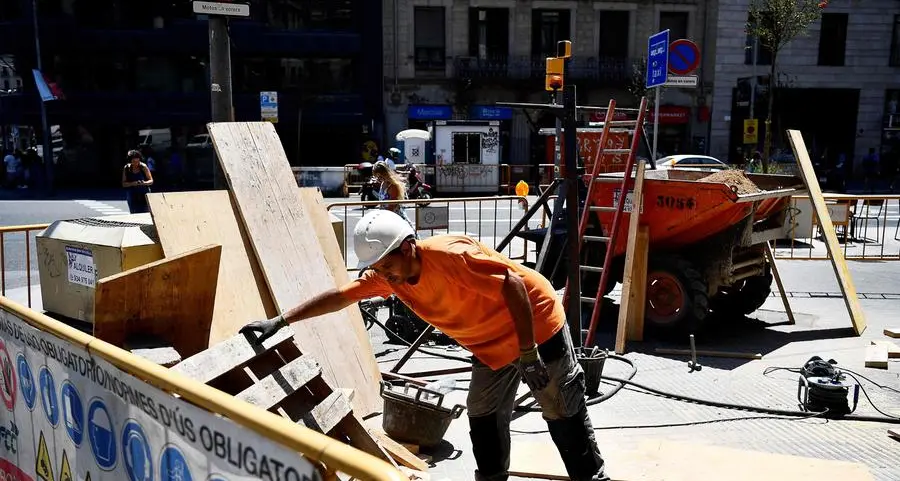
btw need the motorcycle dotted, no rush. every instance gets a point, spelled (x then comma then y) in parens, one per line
(367, 191)
(418, 189)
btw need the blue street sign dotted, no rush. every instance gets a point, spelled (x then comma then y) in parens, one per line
(658, 59)
(73, 412)
(136, 451)
(102, 434)
(173, 466)
(26, 382)
(48, 396)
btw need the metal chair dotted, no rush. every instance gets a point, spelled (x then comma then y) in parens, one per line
(868, 210)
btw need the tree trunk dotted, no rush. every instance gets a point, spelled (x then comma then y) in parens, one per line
(767, 143)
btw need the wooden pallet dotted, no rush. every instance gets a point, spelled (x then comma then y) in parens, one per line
(277, 377)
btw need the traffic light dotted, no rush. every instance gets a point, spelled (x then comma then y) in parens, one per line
(554, 74)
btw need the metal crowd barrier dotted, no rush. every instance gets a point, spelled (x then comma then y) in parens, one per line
(867, 227)
(316, 447)
(25, 231)
(495, 217)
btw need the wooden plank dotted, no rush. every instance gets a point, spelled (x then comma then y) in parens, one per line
(170, 299)
(165, 356)
(326, 415)
(403, 455)
(784, 299)
(893, 332)
(893, 350)
(272, 389)
(877, 356)
(291, 254)
(228, 355)
(626, 304)
(700, 352)
(666, 461)
(841, 271)
(187, 220)
(894, 433)
(635, 331)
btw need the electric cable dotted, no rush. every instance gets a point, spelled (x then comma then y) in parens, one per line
(618, 385)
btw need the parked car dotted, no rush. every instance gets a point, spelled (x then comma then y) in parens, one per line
(695, 161)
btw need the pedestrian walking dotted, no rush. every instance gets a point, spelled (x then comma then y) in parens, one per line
(506, 314)
(392, 188)
(136, 179)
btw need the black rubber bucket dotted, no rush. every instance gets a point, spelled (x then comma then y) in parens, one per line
(416, 415)
(592, 363)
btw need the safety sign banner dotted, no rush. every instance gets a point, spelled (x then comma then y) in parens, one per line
(69, 416)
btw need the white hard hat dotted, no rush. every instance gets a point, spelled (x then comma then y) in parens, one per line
(394, 150)
(377, 234)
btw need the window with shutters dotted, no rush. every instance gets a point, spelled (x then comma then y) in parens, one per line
(430, 43)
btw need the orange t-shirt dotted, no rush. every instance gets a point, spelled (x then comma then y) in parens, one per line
(460, 292)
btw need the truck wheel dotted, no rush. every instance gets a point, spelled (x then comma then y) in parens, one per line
(745, 297)
(677, 299)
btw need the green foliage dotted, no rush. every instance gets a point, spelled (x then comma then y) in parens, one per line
(776, 22)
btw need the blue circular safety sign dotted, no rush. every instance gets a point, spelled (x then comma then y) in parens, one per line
(102, 434)
(136, 452)
(26, 381)
(73, 412)
(48, 396)
(173, 466)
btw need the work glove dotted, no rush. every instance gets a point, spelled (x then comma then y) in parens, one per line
(266, 328)
(533, 370)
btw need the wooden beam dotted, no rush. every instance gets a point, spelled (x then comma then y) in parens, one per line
(841, 271)
(228, 355)
(326, 415)
(629, 288)
(399, 452)
(274, 388)
(893, 332)
(893, 350)
(877, 356)
(635, 331)
(784, 299)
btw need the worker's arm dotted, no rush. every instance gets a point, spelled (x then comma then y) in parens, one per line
(324, 303)
(369, 285)
(516, 296)
(125, 182)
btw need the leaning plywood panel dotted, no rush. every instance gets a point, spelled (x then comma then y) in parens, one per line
(282, 231)
(841, 271)
(187, 220)
(171, 299)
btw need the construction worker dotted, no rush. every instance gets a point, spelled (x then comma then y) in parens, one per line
(506, 314)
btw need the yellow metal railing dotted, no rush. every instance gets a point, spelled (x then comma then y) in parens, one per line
(25, 230)
(316, 447)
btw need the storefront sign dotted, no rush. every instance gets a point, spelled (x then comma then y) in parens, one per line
(70, 415)
(671, 115)
(430, 112)
(489, 112)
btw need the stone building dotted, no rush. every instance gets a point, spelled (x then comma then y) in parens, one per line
(839, 84)
(453, 59)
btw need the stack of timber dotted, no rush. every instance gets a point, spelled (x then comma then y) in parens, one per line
(266, 246)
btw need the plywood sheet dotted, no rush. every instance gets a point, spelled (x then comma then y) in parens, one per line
(187, 220)
(170, 299)
(657, 460)
(283, 232)
(841, 271)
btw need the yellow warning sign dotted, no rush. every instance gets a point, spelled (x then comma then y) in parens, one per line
(751, 131)
(42, 467)
(65, 472)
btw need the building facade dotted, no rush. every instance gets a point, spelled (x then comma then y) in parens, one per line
(453, 59)
(127, 66)
(839, 84)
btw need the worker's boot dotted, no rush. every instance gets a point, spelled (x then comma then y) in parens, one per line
(490, 447)
(574, 438)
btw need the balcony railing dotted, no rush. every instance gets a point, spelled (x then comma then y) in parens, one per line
(600, 70)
